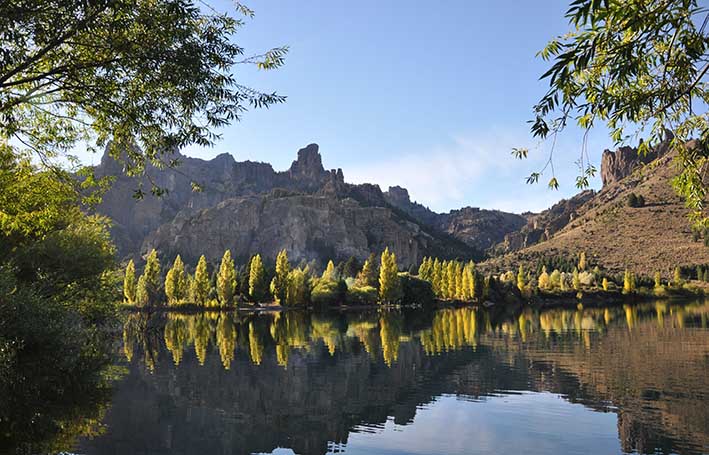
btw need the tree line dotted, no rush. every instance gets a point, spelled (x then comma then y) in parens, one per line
(376, 281)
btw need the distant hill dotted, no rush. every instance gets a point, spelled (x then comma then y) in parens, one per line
(614, 235)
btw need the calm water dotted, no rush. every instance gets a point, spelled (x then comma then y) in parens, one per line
(455, 381)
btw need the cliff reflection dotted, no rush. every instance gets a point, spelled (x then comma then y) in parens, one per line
(243, 383)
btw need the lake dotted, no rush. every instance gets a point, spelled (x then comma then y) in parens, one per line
(622, 379)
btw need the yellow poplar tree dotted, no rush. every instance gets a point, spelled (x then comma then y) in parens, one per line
(329, 274)
(389, 283)
(176, 283)
(226, 280)
(257, 279)
(279, 285)
(520, 279)
(200, 283)
(544, 279)
(582, 261)
(368, 275)
(151, 275)
(575, 281)
(129, 283)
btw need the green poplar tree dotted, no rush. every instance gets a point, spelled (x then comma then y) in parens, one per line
(129, 283)
(151, 275)
(368, 275)
(575, 281)
(201, 284)
(520, 279)
(258, 288)
(176, 283)
(279, 285)
(226, 280)
(389, 284)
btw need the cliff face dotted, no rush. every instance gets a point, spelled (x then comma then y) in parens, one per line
(622, 162)
(248, 207)
(307, 226)
(477, 228)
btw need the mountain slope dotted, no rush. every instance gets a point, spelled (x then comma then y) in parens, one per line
(615, 236)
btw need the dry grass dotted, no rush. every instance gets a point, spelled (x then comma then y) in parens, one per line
(656, 237)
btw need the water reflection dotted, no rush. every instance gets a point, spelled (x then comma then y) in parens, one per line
(243, 383)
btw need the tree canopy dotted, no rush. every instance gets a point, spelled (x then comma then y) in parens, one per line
(640, 68)
(147, 77)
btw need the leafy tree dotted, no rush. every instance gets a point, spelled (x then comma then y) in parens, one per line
(555, 279)
(226, 280)
(628, 282)
(389, 284)
(605, 284)
(582, 261)
(450, 280)
(638, 65)
(520, 279)
(142, 295)
(437, 277)
(279, 284)
(176, 283)
(658, 280)
(151, 273)
(544, 279)
(129, 283)
(201, 284)
(330, 274)
(575, 280)
(258, 286)
(153, 73)
(677, 279)
(368, 276)
(297, 288)
(351, 267)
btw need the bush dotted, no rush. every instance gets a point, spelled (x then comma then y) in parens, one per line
(362, 295)
(329, 292)
(635, 200)
(416, 291)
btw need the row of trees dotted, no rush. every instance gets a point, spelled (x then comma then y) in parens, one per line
(286, 285)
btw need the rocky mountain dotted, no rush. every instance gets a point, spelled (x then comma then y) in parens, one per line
(654, 237)
(478, 228)
(249, 207)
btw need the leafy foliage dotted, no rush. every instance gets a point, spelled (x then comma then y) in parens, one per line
(146, 77)
(640, 68)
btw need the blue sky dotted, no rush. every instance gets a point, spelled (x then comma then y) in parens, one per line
(431, 96)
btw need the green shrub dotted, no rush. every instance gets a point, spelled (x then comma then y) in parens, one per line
(362, 295)
(329, 292)
(416, 290)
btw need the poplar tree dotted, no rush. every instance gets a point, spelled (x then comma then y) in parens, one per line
(658, 280)
(582, 261)
(436, 277)
(389, 284)
(450, 280)
(544, 279)
(555, 279)
(176, 283)
(226, 280)
(142, 296)
(520, 278)
(628, 282)
(129, 283)
(677, 277)
(279, 285)
(575, 281)
(605, 284)
(200, 284)
(368, 275)
(257, 279)
(151, 275)
(330, 273)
